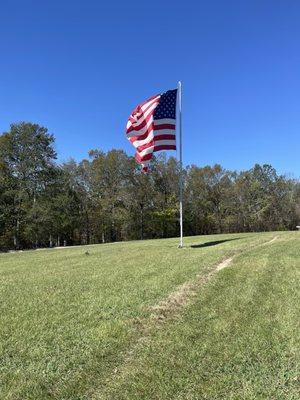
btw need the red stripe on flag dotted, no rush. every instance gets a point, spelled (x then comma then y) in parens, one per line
(165, 147)
(164, 126)
(164, 137)
(143, 158)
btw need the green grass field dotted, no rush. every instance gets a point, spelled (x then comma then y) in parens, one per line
(145, 320)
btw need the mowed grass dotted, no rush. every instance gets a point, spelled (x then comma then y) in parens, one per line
(70, 321)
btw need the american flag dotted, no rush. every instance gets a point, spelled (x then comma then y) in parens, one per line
(152, 126)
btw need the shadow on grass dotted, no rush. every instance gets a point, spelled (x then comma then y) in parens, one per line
(214, 243)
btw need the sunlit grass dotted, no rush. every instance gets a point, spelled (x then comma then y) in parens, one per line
(68, 320)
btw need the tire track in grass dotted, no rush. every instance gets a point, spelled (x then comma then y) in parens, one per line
(185, 293)
(166, 310)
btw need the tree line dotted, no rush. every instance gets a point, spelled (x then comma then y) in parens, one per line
(106, 198)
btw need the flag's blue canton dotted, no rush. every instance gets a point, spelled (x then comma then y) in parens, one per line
(167, 105)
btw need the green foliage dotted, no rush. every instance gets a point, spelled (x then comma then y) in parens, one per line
(106, 197)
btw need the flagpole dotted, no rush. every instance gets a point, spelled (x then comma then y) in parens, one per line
(179, 88)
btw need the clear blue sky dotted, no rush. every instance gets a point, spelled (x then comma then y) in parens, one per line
(80, 67)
